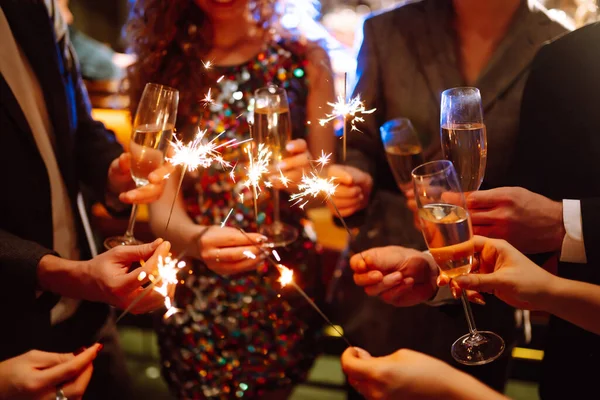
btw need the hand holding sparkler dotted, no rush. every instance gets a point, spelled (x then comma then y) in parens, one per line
(354, 189)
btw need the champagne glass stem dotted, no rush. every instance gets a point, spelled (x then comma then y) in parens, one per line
(468, 313)
(129, 232)
(276, 212)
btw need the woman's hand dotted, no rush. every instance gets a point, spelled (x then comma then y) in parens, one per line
(409, 375)
(296, 164)
(226, 250)
(505, 272)
(353, 191)
(122, 185)
(37, 374)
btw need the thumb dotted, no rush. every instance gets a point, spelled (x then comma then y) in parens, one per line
(130, 254)
(354, 365)
(479, 282)
(150, 267)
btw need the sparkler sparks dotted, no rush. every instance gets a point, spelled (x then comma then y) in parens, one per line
(208, 98)
(287, 275)
(257, 168)
(323, 160)
(312, 186)
(167, 269)
(350, 111)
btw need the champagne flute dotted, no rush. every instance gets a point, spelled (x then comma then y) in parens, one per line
(273, 127)
(403, 149)
(446, 227)
(463, 135)
(153, 129)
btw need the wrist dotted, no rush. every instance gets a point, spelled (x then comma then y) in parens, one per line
(56, 275)
(559, 230)
(552, 293)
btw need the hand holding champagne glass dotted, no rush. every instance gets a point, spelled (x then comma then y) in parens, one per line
(446, 227)
(403, 150)
(463, 135)
(273, 127)
(153, 129)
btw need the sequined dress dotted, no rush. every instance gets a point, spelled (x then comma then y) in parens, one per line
(238, 336)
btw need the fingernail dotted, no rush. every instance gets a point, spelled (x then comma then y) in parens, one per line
(100, 347)
(79, 350)
(262, 239)
(281, 164)
(289, 146)
(479, 301)
(393, 278)
(360, 353)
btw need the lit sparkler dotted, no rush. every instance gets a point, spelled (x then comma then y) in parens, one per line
(312, 186)
(166, 275)
(350, 111)
(208, 98)
(257, 168)
(287, 279)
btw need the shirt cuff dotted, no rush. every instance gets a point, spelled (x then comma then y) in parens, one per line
(444, 294)
(573, 246)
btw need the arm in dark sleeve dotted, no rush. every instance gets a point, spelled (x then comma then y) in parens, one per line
(19, 259)
(364, 145)
(590, 218)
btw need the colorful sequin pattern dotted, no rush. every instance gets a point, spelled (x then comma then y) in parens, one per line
(240, 336)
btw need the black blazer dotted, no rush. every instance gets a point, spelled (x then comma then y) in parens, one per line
(84, 150)
(558, 156)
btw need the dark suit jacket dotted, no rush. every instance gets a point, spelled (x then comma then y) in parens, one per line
(558, 156)
(407, 58)
(84, 150)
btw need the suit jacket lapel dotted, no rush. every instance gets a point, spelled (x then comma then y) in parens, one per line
(33, 30)
(513, 56)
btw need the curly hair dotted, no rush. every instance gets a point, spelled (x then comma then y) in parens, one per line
(171, 38)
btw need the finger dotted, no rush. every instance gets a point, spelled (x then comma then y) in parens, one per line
(348, 202)
(479, 282)
(485, 198)
(343, 192)
(368, 279)
(234, 254)
(75, 389)
(296, 146)
(151, 301)
(69, 367)
(397, 293)
(144, 194)
(125, 163)
(231, 237)
(354, 365)
(299, 161)
(358, 263)
(150, 266)
(387, 283)
(128, 254)
(484, 216)
(161, 173)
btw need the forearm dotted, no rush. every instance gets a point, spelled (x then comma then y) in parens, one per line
(574, 301)
(464, 387)
(182, 231)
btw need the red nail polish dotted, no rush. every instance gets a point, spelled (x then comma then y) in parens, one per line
(100, 347)
(79, 350)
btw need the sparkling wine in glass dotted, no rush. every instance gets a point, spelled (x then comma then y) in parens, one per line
(153, 129)
(463, 135)
(446, 227)
(402, 148)
(273, 127)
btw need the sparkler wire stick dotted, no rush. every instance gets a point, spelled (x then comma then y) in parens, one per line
(344, 120)
(298, 288)
(183, 171)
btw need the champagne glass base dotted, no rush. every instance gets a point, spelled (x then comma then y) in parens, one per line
(278, 234)
(480, 349)
(117, 241)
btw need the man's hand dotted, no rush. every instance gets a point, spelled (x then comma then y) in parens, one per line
(399, 276)
(507, 273)
(530, 222)
(122, 185)
(106, 278)
(353, 191)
